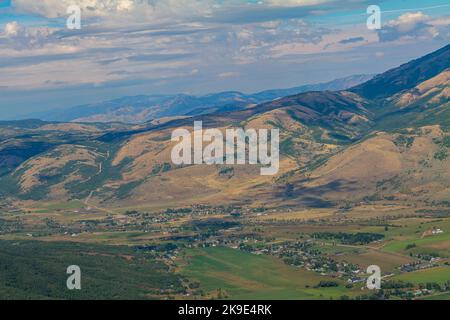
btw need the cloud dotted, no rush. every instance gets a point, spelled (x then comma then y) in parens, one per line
(158, 57)
(169, 41)
(327, 42)
(58, 8)
(136, 9)
(411, 25)
(12, 29)
(230, 74)
(20, 37)
(93, 56)
(352, 40)
(294, 3)
(184, 35)
(230, 11)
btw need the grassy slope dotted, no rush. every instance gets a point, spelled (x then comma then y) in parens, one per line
(427, 242)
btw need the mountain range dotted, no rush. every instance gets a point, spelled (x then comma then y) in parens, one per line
(386, 139)
(143, 108)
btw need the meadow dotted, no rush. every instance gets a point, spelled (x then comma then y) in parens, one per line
(438, 275)
(241, 275)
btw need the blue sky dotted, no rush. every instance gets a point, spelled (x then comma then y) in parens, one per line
(130, 47)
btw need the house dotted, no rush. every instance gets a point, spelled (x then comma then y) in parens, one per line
(354, 280)
(437, 231)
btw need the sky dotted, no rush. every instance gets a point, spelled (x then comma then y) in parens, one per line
(132, 47)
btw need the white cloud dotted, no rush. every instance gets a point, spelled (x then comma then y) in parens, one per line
(113, 9)
(145, 9)
(58, 8)
(410, 26)
(409, 21)
(20, 37)
(12, 29)
(162, 39)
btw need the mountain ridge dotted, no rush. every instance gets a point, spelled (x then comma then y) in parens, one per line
(143, 108)
(405, 76)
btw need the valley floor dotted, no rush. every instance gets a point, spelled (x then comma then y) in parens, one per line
(203, 252)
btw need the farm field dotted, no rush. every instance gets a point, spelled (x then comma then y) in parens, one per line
(240, 275)
(430, 244)
(388, 262)
(439, 275)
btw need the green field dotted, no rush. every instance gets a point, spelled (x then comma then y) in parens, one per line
(430, 243)
(247, 276)
(439, 275)
(443, 296)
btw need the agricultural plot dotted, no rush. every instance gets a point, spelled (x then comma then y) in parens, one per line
(240, 275)
(439, 244)
(438, 275)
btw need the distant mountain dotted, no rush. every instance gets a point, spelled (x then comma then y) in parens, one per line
(335, 85)
(143, 108)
